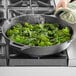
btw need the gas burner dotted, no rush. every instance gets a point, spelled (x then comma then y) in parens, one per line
(31, 3)
(12, 12)
(20, 59)
(15, 54)
(20, 7)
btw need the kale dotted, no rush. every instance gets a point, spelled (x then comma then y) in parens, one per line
(46, 34)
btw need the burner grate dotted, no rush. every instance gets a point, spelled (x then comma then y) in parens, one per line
(59, 59)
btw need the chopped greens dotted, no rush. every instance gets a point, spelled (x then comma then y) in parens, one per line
(47, 34)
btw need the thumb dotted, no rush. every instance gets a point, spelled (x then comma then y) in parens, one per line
(58, 6)
(64, 4)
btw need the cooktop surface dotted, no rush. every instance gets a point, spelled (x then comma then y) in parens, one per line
(19, 59)
(19, 7)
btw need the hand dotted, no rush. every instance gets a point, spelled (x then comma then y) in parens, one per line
(62, 3)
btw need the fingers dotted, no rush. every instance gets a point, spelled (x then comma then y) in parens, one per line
(62, 4)
(58, 6)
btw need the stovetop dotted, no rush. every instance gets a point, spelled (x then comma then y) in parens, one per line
(61, 55)
(25, 3)
(11, 8)
(15, 58)
(20, 59)
(13, 53)
(20, 7)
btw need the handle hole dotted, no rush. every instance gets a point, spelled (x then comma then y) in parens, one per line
(18, 44)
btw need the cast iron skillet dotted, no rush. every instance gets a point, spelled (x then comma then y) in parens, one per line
(36, 51)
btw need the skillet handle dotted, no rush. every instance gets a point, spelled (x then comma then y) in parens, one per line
(21, 47)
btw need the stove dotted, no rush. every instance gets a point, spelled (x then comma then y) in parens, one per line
(20, 7)
(33, 3)
(19, 59)
(11, 57)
